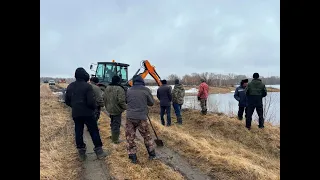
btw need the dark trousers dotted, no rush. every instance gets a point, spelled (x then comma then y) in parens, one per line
(115, 123)
(241, 111)
(97, 113)
(177, 109)
(91, 123)
(250, 110)
(167, 110)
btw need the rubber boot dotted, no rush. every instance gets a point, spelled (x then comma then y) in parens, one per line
(179, 120)
(115, 137)
(152, 155)
(100, 153)
(82, 154)
(133, 158)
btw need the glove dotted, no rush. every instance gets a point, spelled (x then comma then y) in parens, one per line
(198, 98)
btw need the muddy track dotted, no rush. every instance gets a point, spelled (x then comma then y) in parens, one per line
(174, 160)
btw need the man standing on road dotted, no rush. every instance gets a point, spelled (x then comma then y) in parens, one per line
(178, 99)
(98, 97)
(80, 97)
(255, 91)
(203, 94)
(139, 98)
(115, 103)
(240, 96)
(165, 96)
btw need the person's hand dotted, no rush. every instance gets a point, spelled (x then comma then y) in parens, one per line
(198, 98)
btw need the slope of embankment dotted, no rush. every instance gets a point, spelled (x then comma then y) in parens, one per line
(222, 147)
(58, 157)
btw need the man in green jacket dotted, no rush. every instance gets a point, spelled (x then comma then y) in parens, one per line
(178, 99)
(115, 103)
(98, 96)
(255, 91)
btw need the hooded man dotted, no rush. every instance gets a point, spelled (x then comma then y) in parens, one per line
(98, 96)
(80, 97)
(164, 94)
(178, 99)
(240, 96)
(139, 98)
(255, 91)
(115, 103)
(203, 96)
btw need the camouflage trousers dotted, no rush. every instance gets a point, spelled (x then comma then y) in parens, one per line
(203, 104)
(143, 128)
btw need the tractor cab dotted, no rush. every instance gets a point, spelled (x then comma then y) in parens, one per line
(106, 70)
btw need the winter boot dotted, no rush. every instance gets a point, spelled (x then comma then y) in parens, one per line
(133, 158)
(82, 154)
(179, 120)
(100, 153)
(152, 155)
(115, 137)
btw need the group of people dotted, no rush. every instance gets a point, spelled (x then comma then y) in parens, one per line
(167, 96)
(250, 97)
(86, 100)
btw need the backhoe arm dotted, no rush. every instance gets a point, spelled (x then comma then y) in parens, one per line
(148, 69)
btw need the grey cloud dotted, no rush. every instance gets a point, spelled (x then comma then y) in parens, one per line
(179, 37)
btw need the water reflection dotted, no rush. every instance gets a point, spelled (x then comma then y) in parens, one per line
(225, 103)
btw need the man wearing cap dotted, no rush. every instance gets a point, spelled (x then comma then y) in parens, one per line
(240, 96)
(164, 95)
(255, 91)
(178, 99)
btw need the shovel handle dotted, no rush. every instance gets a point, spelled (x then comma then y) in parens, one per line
(152, 126)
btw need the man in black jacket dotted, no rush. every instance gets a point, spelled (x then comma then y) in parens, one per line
(80, 97)
(164, 94)
(240, 96)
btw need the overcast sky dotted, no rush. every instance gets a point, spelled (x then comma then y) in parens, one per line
(176, 36)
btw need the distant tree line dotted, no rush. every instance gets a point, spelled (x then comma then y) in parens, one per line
(216, 80)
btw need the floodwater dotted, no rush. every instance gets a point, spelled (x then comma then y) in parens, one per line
(225, 103)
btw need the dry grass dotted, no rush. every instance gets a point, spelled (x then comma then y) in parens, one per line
(63, 85)
(58, 156)
(222, 147)
(119, 164)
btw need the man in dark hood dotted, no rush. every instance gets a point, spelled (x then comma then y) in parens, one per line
(164, 94)
(240, 96)
(139, 98)
(255, 91)
(80, 97)
(115, 103)
(178, 99)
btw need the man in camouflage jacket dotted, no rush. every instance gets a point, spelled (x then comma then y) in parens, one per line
(255, 91)
(98, 96)
(115, 103)
(178, 99)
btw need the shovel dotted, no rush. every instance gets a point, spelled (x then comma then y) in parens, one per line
(158, 141)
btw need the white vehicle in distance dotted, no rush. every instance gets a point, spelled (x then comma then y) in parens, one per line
(52, 82)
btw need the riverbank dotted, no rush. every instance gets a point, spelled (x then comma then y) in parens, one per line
(190, 90)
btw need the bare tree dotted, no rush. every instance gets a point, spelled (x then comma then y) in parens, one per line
(172, 77)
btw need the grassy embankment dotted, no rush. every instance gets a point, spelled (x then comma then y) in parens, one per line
(58, 157)
(222, 147)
